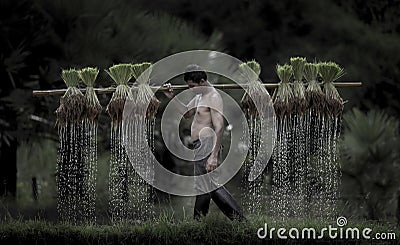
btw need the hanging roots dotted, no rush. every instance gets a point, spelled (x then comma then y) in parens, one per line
(72, 103)
(255, 99)
(334, 103)
(152, 108)
(330, 72)
(299, 100)
(315, 98)
(283, 95)
(145, 102)
(93, 107)
(121, 74)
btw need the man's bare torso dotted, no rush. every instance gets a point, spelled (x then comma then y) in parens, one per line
(202, 124)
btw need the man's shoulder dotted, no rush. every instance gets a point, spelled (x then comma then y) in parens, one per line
(214, 99)
(214, 94)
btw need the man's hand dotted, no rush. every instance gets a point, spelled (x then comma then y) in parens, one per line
(211, 163)
(169, 93)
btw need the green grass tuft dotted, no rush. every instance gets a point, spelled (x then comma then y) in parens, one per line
(214, 229)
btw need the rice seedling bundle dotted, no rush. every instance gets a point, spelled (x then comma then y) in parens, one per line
(255, 100)
(330, 72)
(254, 103)
(121, 74)
(119, 163)
(299, 101)
(315, 98)
(145, 101)
(283, 95)
(93, 107)
(70, 169)
(89, 168)
(72, 103)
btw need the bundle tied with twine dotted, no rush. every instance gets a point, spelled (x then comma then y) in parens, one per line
(145, 102)
(73, 102)
(330, 72)
(283, 95)
(299, 99)
(121, 74)
(93, 107)
(314, 96)
(255, 100)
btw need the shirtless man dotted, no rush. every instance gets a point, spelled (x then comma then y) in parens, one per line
(207, 109)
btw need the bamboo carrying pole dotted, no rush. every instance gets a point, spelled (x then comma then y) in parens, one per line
(179, 87)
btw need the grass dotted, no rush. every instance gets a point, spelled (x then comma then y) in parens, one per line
(214, 229)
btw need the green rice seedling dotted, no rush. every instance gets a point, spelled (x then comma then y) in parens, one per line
(140, 130)
(283, 105)
(330, 72)
(145, 102)
(299, 100)
(283, 95)
(255, 99)
(327, 135)
(254, 104)
(89, 147)
(70, 116)
(119, 163)
(72, 103)
(93, 107)
(121, 74)
(315, 98)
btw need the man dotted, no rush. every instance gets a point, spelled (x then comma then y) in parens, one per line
(206, 132)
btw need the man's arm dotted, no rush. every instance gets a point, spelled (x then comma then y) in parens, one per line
(216, 110)
(186, 110)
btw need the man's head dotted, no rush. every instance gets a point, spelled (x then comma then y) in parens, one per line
(195, 76)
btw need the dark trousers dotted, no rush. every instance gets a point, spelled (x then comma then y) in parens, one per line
(224, 200)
